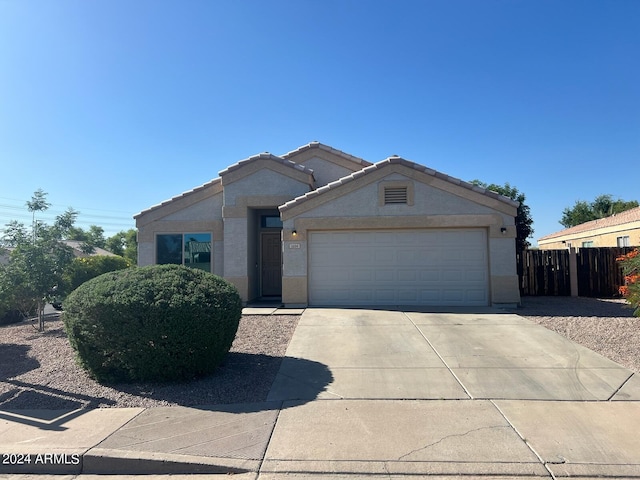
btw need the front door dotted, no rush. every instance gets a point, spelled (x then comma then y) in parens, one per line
(271, 264)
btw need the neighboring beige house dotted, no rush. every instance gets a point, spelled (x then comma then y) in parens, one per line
(318, 226)
(620, 230)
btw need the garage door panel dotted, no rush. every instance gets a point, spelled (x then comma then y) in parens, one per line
(406, 275)
(476, 275)
(429, 275)
(361, 275)
(408, 267)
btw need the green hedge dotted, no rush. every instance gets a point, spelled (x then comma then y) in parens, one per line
(86, 268)
(163, 322)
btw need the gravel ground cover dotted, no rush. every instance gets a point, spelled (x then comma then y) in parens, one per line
(606, 326)
(39, 370)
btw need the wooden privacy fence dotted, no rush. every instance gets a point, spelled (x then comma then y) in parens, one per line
(593, 272)
(544, 272)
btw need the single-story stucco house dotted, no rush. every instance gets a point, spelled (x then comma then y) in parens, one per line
(619, 230)
(320, 227)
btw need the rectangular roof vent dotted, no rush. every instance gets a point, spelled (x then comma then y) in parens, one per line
(395, 195)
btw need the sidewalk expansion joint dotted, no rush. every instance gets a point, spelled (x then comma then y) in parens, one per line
(529, 446)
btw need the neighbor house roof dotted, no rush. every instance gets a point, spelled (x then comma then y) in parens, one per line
(401, 161)
(616, 219)
(77, 245)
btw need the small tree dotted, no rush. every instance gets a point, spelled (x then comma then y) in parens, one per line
(631, 269)
(36, 260)
(524, 222)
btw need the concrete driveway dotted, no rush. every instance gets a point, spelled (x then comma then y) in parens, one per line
(376, 354)
(449, 393)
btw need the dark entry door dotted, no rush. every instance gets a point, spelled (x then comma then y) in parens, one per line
(271, 264)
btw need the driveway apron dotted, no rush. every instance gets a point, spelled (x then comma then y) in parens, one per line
(448, 393)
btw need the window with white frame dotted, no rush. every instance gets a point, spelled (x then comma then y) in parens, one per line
(623, 241)
(190, 249)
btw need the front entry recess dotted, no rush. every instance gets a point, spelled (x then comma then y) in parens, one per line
(271, 264)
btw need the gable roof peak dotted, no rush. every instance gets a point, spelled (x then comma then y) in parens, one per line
(266, 156)
(327, 148)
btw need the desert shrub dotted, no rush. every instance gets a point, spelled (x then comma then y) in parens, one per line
(162, 322)
(85, 268)
(631, 269)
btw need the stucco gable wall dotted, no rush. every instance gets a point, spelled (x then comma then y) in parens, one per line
(263, 182)
(428, 200)
(325, 171)
(206, 209)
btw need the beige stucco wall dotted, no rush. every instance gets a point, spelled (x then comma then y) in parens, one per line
(326, 172)
(263, 182)
(247, 192)
(602, 237)
(358, 208)
(197, 213)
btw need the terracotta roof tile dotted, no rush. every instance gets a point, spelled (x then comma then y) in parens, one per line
(628, 216)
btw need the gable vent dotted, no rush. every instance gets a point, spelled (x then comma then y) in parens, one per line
(395, 195)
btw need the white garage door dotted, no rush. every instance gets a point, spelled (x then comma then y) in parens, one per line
(399, 267)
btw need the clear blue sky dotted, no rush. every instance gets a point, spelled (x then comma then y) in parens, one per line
(112, 106)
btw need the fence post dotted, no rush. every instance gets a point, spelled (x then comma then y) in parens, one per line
(573, 271)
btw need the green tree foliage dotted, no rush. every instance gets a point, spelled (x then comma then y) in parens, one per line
(92, 238)
(524, 222)
(85, 268)
(125, 244)
(603, 206)
(36, 260)
(162, 322)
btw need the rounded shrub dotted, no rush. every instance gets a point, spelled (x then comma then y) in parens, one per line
(162, 322)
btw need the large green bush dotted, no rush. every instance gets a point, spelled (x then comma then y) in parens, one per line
(163, 322)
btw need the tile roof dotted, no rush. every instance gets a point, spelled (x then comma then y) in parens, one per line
(177, 197)
(266, 156)
(400, 161)
(628, 216)
(327, 148)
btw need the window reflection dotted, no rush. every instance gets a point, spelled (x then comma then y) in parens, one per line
(169, 249)
(196, 252)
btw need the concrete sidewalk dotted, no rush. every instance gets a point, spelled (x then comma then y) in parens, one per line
(370, 393)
